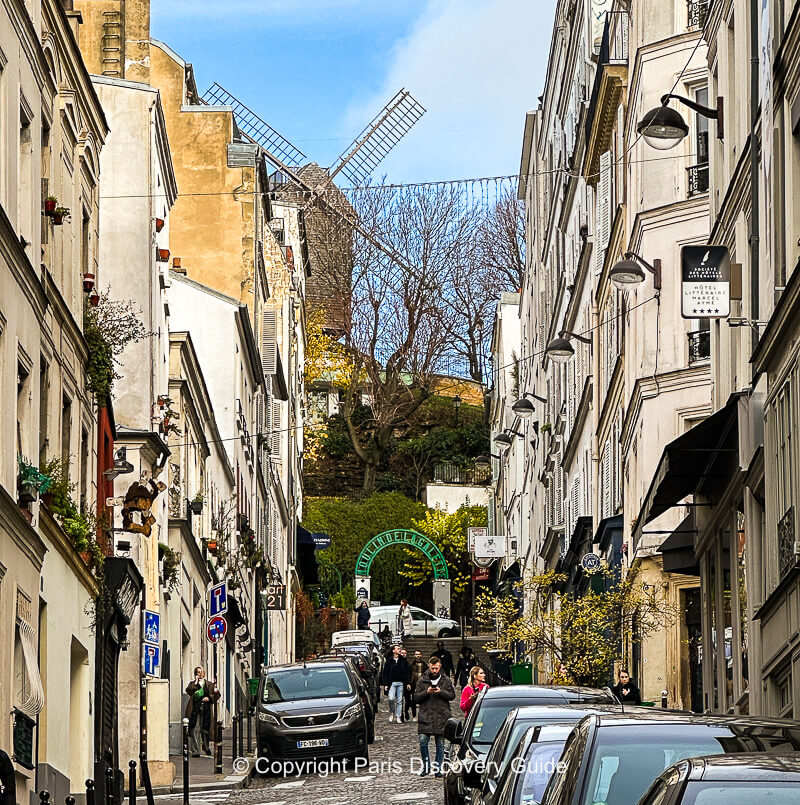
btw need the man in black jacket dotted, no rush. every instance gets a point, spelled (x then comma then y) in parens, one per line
(7, 780)
(446, 657)
(433, 694)
(466, 661)
(627, 691)
(396, 675)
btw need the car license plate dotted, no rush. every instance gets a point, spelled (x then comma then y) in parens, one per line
(313, 744)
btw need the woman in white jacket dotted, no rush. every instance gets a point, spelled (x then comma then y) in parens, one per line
(405, 619)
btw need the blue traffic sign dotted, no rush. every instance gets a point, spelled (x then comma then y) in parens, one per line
(219, 599)
(152, 659)
(152, 627)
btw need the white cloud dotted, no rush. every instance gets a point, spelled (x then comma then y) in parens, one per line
(477, 66)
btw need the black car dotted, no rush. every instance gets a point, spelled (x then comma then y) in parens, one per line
(533, 761)
(365, 690)
(368, 667)
(614, 758)
(473, 737)
(311, 710)
(758, 779)
(518, 721)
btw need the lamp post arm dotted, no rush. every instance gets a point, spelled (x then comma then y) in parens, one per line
(535, 396)
(654, 269)
(582, 338)
(706, 111)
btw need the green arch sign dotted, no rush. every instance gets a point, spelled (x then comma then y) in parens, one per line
(401, 536)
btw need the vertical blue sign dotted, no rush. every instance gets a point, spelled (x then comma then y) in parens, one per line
(152, 659)
(152, 627)
(218, 603)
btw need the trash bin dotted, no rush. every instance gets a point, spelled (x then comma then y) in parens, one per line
(522, 673)
(252, 688)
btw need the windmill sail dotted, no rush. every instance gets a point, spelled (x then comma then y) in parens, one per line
(367, 151)
(255, 128)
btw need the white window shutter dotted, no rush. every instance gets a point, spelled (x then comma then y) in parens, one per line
(269, 341)
(275, 436)
(603, 223)
(606, 486)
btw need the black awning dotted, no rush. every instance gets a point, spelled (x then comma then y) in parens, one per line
(512, 572)
(234, 614)
(306, 556)
(607, 528)
(688, 460)
(677, 550)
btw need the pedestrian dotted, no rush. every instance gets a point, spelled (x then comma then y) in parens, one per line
(396, 675)
(404, 655)
(8, 782)
(466, 662)
(201, 710)
(404, 618)
(418, 668)
(626, 690)
(446, 657)
(362, 615)
(476, 683)
(386, 638)
(433, 694)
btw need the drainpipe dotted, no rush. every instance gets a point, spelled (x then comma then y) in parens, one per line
(754, 205)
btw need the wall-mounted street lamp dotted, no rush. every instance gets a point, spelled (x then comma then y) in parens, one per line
(560, 350)
(484, 462)
(503, 440)
(629, 271)
(523, 407)
(663, 127)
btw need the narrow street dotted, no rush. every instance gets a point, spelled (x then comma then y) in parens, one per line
(393, 776)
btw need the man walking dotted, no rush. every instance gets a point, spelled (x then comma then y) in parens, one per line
(466, 662)
(396, 675)
(446, 657)
(433, 694)
(201, 710)
(418, 668)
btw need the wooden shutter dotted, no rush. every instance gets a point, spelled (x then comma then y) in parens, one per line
(269, 341)
(603, 208)
(275, 436)
(605, 463)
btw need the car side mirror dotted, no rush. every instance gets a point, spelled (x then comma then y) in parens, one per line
(454, 730)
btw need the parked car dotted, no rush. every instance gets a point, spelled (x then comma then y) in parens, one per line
(368, 667)
(472, 737)
(425, 624)
(364, 689)
(531, 764)
(518, 721)
(615, 758)
(310, 710)
(758, 779)
(360, 638)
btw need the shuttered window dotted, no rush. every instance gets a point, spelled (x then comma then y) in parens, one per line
(603, 208)
(269, 341)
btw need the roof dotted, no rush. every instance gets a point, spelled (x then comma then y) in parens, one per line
(751, 766)
(558, 693)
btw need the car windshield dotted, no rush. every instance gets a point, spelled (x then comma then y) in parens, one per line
(520, 725)
(540, 763)
(291, 684)
(751, 793)
(489, 719)
(626, 759)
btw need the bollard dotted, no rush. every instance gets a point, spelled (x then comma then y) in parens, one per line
(185, 761)
(132, 782)
(109, 792)
(664, 695)
(249, 732)
(241, 734)
(70, 800)
(44, 797)
(233, 736)
(218, 750)
(90, 792)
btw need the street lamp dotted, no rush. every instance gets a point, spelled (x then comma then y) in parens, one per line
(560, 350)
(663, 128)
(456, 405)
(503, 440)
(523, 407)
(628, 271)
(483, 461)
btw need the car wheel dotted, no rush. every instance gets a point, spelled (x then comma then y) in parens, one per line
(446, 633)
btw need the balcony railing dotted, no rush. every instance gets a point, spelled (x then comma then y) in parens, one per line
(698, 10)
(699, 346)
(787, 556)
(698, 179)
(445, 472)
(23, 739)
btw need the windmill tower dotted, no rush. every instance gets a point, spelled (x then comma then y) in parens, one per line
(326, 215)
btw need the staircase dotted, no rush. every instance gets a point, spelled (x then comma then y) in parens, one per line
(427, 645)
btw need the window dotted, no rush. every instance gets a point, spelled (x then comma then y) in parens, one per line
(698, 173)
(84, 467)
(23, 404)
(784, 425)
(66, 428)
(85, 242)
(25, 174)
(44, 389)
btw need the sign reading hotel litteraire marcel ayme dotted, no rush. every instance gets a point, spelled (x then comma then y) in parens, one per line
(705, 282)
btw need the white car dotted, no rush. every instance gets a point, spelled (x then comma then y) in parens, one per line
(425, 624)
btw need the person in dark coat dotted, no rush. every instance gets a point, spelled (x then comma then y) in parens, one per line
(626, 690)
(418, 668)
(7, 780)
(201, 710)
(396, 675)
(433, 694)
(466, 662)
(362, 615)
(446, 657)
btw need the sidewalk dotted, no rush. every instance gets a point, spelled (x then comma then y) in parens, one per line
(201, 770)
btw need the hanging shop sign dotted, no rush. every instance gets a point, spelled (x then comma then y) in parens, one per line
(705, 282)
(480, 574)
(590, 562)
(475, 531)
(275, 596)
(490, 547)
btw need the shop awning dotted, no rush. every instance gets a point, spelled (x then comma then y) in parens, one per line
(306, 556)
(677, 550)
(689, 460)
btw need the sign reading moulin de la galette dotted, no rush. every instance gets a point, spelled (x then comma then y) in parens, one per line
(705, 282)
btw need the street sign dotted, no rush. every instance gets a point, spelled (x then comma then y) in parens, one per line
(705, 282)
(473, 532)
(218, 599)
(152, 659)
(490, 547)
(275, 596)
(590, 562)
(321, 541)
(152, 627)
(216, 629)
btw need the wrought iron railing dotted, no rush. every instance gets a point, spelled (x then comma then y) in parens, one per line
(699, 345)
(698, 179)
(446, 472)
(23, 739)
(787, 558)
(698, 10)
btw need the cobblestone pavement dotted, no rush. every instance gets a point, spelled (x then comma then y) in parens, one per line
(392, 776)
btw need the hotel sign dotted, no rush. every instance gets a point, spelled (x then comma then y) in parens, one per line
(705, 282)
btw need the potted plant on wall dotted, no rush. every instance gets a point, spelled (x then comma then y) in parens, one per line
(50, 204)
(88, 282)
(196, 504)
(30, 482)
(59, 214)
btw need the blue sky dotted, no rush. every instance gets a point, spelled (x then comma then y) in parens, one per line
(319, 70)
